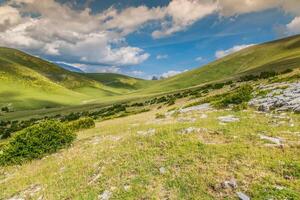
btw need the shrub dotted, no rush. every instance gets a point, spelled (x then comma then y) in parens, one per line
(239, 96)
(35, 142)
(286, 71)
(239, 107)
(159, 116)
(81, 124)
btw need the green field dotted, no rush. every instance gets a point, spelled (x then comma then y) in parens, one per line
(119, 158)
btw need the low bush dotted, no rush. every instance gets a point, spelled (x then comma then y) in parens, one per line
(35, 142)
(159, 116)
(81, 124)
(239, 96)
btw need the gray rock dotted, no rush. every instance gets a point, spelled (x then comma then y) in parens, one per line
(274, 140)
(162, 170)
(148, 132)
(27, 193)
(192, 130)
(201, 107)
(279, 99)
(105, 195)
(242, 196)
(228, 119)
(229, 184)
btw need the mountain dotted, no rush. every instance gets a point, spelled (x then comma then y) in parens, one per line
(271, 56)
(28, 82)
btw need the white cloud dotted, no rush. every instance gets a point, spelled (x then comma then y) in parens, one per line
(100, 38)
(171, 73)
(183, 13)
(294, 26)
(223, 53)
(73, 33)
(132, 18)
(9, 16)
(199, 59)
(136, 72)
(160, 57)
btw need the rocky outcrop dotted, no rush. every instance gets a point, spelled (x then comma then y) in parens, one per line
(282, 97)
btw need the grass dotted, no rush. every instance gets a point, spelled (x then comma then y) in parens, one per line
(113, 157)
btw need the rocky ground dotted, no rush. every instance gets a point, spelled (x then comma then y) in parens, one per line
(279, 97)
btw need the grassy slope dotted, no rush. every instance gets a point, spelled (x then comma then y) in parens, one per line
(118, 81)
(276, 55)
(28, 82)
(115, 158)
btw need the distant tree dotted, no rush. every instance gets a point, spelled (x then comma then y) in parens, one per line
(154, 78)
(5, 109)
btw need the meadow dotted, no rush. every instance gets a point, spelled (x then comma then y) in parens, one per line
(121, 158)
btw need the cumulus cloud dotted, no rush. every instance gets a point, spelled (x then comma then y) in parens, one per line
(183, 13)
(171, 73)
(72, 33)
(9, 16)
(294, 26)
(223, 53)
(57, 29)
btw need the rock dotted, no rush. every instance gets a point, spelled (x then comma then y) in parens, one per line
(27, 193)
(297, 109)
(229, 184)
(193, 130)
(201, 107)
(228, 119)
(127, 187)
(162, 170)
(105, 195)
(242, 196)
(149, 132)
(279, 99)
(203, 116)
(186, 119)
(94, 178)
(274, 140)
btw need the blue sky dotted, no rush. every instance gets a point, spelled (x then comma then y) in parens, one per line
(143, 38)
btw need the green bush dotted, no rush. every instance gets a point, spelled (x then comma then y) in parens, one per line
(35, 142)
(159, 116)
(239, 96)
(81, 124)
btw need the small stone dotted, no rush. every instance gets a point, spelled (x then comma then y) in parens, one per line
(203, 116)
(278, 187)
(127, 187)
(201, 107)
(277, 141)
(228, 119)
(242, 196)
(149, 132)
(162, 170)
(105, 195)
(229, 184)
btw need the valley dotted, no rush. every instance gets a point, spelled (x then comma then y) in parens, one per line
(227, 130)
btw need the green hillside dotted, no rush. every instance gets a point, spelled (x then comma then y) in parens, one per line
(277, 55)
(118, 81)
(28, 82)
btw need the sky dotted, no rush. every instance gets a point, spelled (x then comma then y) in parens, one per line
(143, 38)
